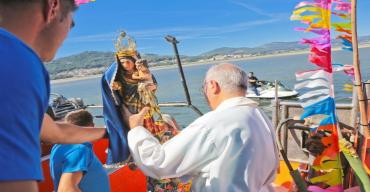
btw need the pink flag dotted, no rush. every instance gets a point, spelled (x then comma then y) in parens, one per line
(79, 2)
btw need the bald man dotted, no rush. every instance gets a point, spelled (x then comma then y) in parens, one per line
(231, 148)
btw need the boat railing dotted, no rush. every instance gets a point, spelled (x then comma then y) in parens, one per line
(45, 158)
(285, 110)
(166, 104)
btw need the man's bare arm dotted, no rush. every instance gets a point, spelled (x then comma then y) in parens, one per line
(66, 133)
(15, 186)
(69, 182)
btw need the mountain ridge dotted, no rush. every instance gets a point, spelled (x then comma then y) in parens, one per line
(95, 62)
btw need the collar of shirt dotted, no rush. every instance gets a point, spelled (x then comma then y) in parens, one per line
(236, 101)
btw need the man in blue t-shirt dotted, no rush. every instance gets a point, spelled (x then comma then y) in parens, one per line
(30, 33)
(75, 167)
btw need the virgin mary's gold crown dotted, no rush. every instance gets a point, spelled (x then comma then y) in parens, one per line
(128, 49)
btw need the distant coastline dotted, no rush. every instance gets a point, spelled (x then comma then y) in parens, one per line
(163, 67)
(68, 80)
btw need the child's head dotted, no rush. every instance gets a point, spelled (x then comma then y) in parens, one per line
(81, 118)
(141, 64)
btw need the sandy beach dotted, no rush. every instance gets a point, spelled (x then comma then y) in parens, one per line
(58, 81)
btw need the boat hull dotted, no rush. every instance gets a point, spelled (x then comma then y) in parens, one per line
(125, 179)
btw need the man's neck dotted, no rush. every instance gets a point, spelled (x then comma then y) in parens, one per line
(228, 95)
(22, 24)
(225, 96)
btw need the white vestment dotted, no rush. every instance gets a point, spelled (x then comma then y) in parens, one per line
(229, 149)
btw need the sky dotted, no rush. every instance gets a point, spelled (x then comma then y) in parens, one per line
(199, 25)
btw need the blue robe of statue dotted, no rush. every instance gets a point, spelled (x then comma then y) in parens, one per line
(118, 150)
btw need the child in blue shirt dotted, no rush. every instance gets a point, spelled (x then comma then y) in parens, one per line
(75, 167)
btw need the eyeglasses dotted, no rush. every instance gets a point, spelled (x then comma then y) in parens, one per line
(204, 87)
(72, 24)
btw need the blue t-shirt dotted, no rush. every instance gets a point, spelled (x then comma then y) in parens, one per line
(24, 97)
(76, 158)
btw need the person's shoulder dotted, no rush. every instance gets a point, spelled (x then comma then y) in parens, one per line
(67, 149)
(205, 121)
(217, 115)
(235, 114)
(18, 59)
(14, 49)
(82, 146)
(8, 39)
(241, 110)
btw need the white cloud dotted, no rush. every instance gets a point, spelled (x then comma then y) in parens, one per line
(259, 11)
(189, 32)
(94, 38)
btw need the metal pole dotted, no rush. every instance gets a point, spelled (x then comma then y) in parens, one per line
(285, 115)
(354, 110)
(174, 42)
(277, 106)
(367, 91)
(183, 80)
(196, 110)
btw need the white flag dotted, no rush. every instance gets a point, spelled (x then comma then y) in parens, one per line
(313, 86)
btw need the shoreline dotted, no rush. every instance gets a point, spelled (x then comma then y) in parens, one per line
(164, 67)
(68, 80)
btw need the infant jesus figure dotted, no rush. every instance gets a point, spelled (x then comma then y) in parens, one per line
(164, 128)
(146, 87)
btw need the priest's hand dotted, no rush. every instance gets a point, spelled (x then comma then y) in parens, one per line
(138, 119)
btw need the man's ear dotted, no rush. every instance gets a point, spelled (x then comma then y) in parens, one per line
(214, 87)
(51, 10)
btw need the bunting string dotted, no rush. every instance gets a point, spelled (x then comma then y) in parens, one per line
(342, 9)
(316, 89)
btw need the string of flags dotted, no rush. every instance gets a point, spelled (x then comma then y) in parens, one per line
(317, 91)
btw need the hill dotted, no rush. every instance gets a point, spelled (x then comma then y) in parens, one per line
(95, 62)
